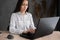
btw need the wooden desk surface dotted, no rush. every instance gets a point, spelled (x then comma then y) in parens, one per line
(4, 35)
(54, 36)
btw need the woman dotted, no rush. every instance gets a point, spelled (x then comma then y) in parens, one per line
(21, 21)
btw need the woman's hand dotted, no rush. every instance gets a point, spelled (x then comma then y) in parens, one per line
(25, 31)
(32, 30)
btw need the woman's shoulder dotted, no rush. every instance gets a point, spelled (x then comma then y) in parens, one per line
(28, 13)
(15, 13)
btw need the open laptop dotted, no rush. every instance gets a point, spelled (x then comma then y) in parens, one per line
(46, 26)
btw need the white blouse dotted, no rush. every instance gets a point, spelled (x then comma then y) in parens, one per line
(20, 23)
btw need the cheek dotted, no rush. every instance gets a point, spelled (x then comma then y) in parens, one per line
(26, 7)
(22, 7)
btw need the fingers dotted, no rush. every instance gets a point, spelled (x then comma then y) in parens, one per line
(25, 32)
(32, 31)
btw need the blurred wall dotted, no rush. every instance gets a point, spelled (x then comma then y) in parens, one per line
(6, 8)
(46, 8)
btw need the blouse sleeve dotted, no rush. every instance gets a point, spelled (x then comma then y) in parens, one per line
(12, 28)
(32, 23)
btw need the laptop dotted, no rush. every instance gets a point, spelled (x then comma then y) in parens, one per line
(46, 26)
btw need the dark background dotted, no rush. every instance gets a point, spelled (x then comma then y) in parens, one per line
(50, 8)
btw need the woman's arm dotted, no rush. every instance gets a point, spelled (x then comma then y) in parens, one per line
(32, 27)
(32, 23)
(12, 28)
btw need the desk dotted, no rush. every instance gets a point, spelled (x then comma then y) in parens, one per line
(4, 35)
(54, 36)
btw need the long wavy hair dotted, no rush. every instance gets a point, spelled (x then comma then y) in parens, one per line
(37, 10)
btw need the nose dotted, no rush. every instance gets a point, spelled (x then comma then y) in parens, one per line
(24, 6)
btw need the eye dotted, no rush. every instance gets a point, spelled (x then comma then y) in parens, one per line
(24, 4)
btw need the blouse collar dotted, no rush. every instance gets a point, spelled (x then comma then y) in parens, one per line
(21, 14)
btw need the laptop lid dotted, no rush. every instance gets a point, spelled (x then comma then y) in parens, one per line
(46, 26)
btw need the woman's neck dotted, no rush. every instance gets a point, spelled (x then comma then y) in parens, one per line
(22, 12)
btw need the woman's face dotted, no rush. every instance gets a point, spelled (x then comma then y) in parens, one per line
(24, 6)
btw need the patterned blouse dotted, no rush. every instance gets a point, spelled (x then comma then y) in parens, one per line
(20, 23)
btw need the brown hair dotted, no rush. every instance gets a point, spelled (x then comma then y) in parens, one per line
(37, 10)
(18, 6)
